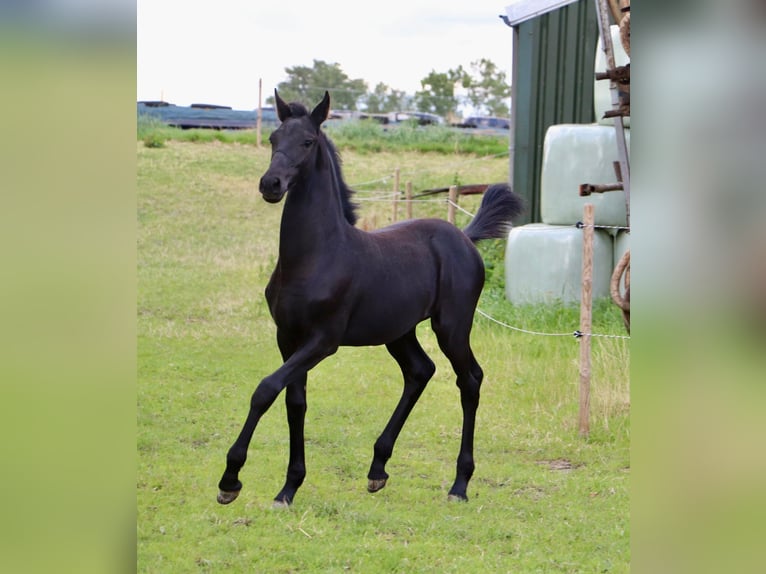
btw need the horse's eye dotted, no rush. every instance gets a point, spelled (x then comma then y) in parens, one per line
(308, 143)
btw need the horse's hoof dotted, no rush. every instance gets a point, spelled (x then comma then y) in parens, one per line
(225, 497)
(457, 498)
(375, 484)
(280, 504)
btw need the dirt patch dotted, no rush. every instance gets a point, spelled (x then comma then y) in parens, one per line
(560, 464)
(531, 492)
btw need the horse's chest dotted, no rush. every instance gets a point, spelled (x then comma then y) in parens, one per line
(288, 306)
(298, 303)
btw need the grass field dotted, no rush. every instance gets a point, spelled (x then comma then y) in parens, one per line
(543, 499)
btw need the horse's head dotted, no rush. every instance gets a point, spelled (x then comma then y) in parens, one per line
(292, 145)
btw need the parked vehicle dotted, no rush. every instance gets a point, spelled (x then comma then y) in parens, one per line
(422, 118)
(487, 122)
(208, 116)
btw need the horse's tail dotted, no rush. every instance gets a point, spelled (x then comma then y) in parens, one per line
(493, 220)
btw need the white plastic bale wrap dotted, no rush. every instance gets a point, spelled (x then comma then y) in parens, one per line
(574, 154)
(543, 264)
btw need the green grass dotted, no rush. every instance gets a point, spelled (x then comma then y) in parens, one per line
(361, 136)
(543, 499)
(369, 136)
(150, 129)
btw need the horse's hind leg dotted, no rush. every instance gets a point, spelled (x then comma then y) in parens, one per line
(454, 342)
(417, 370)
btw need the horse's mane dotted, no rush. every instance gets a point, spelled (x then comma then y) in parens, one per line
(349, 208)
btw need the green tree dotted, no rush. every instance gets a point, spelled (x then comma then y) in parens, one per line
(384, 99)
(308, 85)
(488, 88)
(438, 93)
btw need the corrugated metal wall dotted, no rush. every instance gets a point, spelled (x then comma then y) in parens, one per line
(554, 85)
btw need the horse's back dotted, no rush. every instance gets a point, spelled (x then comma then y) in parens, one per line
(446, 245)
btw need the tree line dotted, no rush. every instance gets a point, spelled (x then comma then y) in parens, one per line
(486, 88)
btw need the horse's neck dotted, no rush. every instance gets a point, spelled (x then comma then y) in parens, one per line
(312, 219)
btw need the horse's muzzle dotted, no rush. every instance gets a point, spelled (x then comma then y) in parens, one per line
(271, 188)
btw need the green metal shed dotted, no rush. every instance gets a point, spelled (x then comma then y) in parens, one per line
(554, 52)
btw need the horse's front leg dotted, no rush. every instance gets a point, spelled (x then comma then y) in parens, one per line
(295, 401)
(292, 372)
(265, 394)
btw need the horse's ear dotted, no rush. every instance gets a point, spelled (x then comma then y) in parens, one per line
(322, 110)
(283, 110)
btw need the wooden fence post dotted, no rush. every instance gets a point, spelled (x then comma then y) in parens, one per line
(409, 199)
(260, 114)
(451, 204)
(396, 195)
(586, 318)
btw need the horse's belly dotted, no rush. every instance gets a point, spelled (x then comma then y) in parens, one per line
(381, 323)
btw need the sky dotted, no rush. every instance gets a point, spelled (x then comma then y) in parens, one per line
(216, 52)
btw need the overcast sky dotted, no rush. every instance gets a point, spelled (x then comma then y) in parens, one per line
(215, 52)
